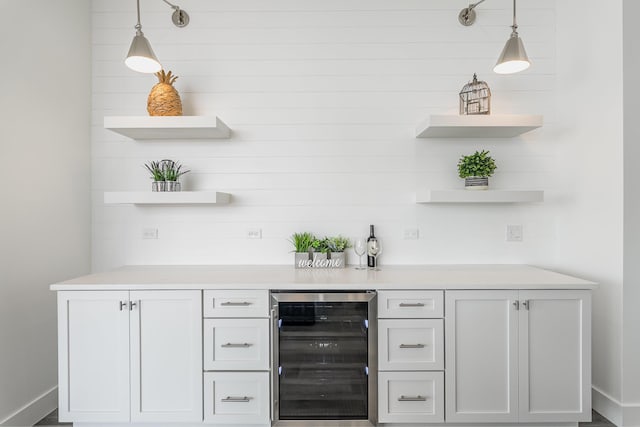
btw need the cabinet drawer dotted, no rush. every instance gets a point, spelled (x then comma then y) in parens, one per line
(236, 398)
(411, 397)
(236, 344)
(236, 303)
(410, 304)
(410, 345)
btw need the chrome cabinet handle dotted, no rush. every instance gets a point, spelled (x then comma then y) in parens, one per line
(238, 345)
(123, 305)
(236, 304)
(417, 398)
(516, 304)
(236, 399)
(407, 304)
(412, 345)
(132, 304)
(525, 304)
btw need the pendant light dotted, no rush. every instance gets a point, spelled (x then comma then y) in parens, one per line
(513, 58)
(141, 57)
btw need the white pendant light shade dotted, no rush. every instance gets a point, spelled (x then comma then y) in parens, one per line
(513, 58)
(141, 57)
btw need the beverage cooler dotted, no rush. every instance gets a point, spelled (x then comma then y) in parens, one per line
(324, 355)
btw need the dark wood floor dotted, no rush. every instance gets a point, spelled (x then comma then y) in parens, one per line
(598, 421)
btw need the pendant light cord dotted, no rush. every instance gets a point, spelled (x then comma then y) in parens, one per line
(138, 26)
(515, 24)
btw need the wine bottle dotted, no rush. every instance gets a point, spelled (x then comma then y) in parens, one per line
(371, 241)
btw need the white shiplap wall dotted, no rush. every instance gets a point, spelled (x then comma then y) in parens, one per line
(323, 98)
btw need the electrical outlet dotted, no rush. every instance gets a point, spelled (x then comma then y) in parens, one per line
(149, 233)
(411, 234)
(254, 233)
(514, 233)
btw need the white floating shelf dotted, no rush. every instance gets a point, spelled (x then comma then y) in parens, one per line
(167, 197)
(168, 127)
(479, 126)
(480, 196)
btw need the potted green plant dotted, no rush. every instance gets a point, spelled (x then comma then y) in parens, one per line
(157, 175)
(336, 250)
(303, 247)
(172, 171)
(476, 170)
(320, 251)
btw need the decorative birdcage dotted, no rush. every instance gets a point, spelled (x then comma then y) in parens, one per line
(475, 98)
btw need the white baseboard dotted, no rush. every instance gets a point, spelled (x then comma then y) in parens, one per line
(34, 411)
(622, 415)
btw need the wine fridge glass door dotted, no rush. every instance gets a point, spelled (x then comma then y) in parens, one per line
(323, 360)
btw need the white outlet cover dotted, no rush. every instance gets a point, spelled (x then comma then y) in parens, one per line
(254, 233)
(514, 233)
(149, 233)
(411, 234)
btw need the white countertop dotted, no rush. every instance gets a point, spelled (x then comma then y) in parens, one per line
(479, 276)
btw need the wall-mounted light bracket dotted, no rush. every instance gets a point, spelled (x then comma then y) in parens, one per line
(180, 18)
(467, 16)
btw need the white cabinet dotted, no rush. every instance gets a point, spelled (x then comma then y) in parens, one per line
(410, 357)
(93, 356)
(236, 357)
(518, 356)
(130, 356)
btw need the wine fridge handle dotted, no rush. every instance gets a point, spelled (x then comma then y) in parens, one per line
(274, 362)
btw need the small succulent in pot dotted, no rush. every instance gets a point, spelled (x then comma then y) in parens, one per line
(476, 170)
(172, 171)
(157, 175)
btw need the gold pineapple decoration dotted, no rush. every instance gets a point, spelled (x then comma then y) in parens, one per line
(164, 99)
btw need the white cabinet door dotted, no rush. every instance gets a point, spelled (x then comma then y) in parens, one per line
(410, 345)
(236, 344)
(166, 356)
(481, 377)
(555, 356)
(93, 356)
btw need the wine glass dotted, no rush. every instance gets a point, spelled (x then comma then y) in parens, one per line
(359, 248)
(375, 249)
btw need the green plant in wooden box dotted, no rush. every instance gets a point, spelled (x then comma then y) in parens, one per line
(476, 170)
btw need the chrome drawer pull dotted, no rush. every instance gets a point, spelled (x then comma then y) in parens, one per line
(236, 399)
(239, 345)
(416, 304)
(412, 345)
(238, 304)
(417, 398)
